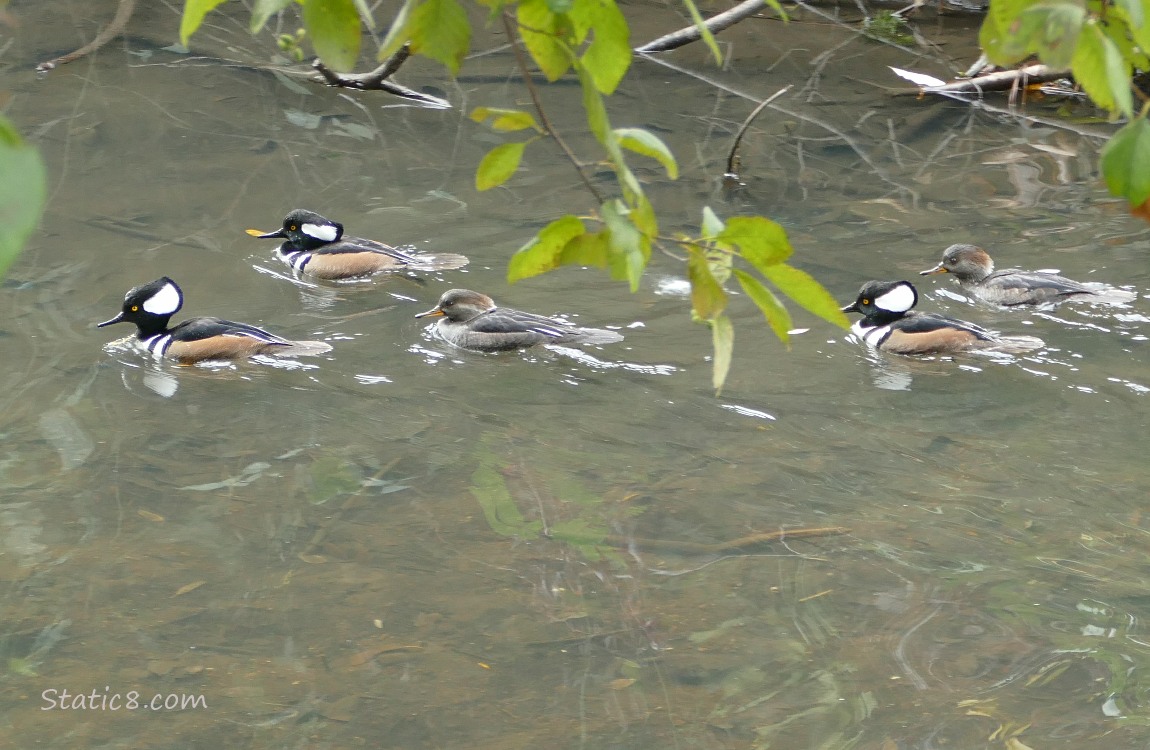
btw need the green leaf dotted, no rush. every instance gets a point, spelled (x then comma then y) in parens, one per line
(498, 166)
(763, 242)
(333, 27)
(643, 214)
(398, 35)
(22, 192)
(609, 54)
(1133, 10)
(440, 30)
(707, 36)
(712, 225)
(506, 120)
(588, 249)
(194, 12)
(365, 14)
(723, 341)
(542, 253)
(708, 300)
(777, 316)
(539, 28)
(261, 12)
(1098, 66)
(648, 144)
(628, 248)
(806, 292)
(1126, 162)
(596, 111)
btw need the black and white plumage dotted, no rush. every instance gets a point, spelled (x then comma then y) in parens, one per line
(1010, 287)
(150, 306)
(471, 320)
(890, 324)
(317, 246)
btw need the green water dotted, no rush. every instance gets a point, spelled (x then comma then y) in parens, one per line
(405, 545)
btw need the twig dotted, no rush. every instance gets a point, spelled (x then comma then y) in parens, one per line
(548, 128)
(108, 33)
(375, 80)
(714, 24)
(732, 173)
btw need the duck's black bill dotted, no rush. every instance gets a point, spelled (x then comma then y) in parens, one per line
(281, 234)
(118, 319)
(852, 307)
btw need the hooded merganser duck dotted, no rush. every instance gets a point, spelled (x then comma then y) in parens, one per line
(471, 320)
(151, 305)
(317, 246)
(889, 325)
(974, 269)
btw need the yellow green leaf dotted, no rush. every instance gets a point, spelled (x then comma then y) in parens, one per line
(440, 30)
(1126, 162)
(723, 342)
(538, 26)
(543, 252)
(777, 316)
(628, 248)
(498, 165)
(762, 242)
(506, 120)
(261, 12)
(194, 12)
(705, 33)
(648, 144)
(609, 54)
(1098, 66)
(398, 34)
(708, 300)
(333, 27)
(806, 292)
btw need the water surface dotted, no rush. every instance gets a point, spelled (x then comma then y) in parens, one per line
(405, 545)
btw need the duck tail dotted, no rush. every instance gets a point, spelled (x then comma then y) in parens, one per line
(1110, 295)
(301, 349)
(1014, 344)
(438, 261)
(596, 336)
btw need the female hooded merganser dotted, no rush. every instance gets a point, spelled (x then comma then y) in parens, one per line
(151, 305)
(975, 272)
(471, 320)
(888, 324)
(317, 246)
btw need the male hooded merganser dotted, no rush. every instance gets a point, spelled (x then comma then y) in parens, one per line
(151, 305)
(888, 324)
(317, 246)
(975, 272)
(471, 320)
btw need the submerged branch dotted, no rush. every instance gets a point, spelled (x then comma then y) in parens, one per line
(376, 80)
(714, 24)
(999, 81)
(119, 22)
(732, 173)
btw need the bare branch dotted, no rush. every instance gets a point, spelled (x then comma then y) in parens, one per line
(714, 24)
(119, 22)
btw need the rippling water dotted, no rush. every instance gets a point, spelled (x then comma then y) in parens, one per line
(406, 545)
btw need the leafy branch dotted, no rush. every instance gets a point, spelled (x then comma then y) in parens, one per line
(589, 39)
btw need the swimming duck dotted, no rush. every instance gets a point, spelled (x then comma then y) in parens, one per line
(471, 320)
(890, 324)
(317, 246)
(150, 306)
(974, 269)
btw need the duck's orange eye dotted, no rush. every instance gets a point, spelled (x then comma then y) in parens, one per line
(292, 228)
(135, 308)
(865, 301)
